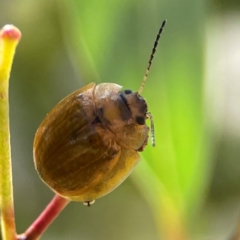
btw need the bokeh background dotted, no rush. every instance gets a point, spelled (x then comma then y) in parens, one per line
(188, 186)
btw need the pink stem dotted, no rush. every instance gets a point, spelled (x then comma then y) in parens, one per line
(56, 205)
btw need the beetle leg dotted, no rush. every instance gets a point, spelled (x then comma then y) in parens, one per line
(88, 203)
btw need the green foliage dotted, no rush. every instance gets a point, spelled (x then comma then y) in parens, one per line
(177, 169)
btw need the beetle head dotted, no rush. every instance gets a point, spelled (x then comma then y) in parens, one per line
(136, 105)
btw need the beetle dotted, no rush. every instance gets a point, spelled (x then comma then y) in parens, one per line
(89, 143)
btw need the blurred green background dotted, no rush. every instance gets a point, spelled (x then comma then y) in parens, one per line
(188, 186)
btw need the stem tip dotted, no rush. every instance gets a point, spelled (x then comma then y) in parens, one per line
(10, 32)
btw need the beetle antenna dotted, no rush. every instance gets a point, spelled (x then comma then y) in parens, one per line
(152, 56)
(149, 115)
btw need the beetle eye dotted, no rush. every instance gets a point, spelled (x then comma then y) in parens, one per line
(140, 120)
(127, 91)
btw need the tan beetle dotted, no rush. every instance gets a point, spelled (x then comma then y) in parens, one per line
(89, 143)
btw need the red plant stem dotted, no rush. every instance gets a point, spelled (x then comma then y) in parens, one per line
(236, 235)
(52, 210)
